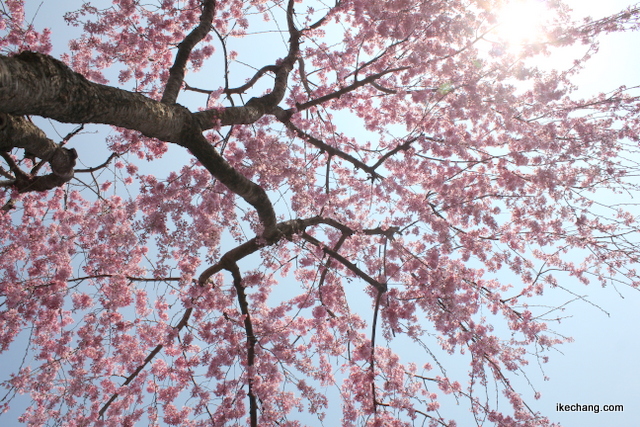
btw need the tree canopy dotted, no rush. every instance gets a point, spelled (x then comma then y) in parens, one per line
(381, 191)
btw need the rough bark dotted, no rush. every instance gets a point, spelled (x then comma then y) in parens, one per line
(39, 85)
(36, 84)
(20, 132)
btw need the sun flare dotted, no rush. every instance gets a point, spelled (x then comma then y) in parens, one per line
(521, 21)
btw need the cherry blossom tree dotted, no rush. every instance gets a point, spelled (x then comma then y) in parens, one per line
(388, 190)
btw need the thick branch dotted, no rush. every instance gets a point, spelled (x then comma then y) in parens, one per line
(22, 133)
(32, 84)
(178, 70)
(19, 132)
(251, 192)
(39, 85)
(35, 84)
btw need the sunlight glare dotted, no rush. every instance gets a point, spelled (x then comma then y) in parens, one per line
(521, 21)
